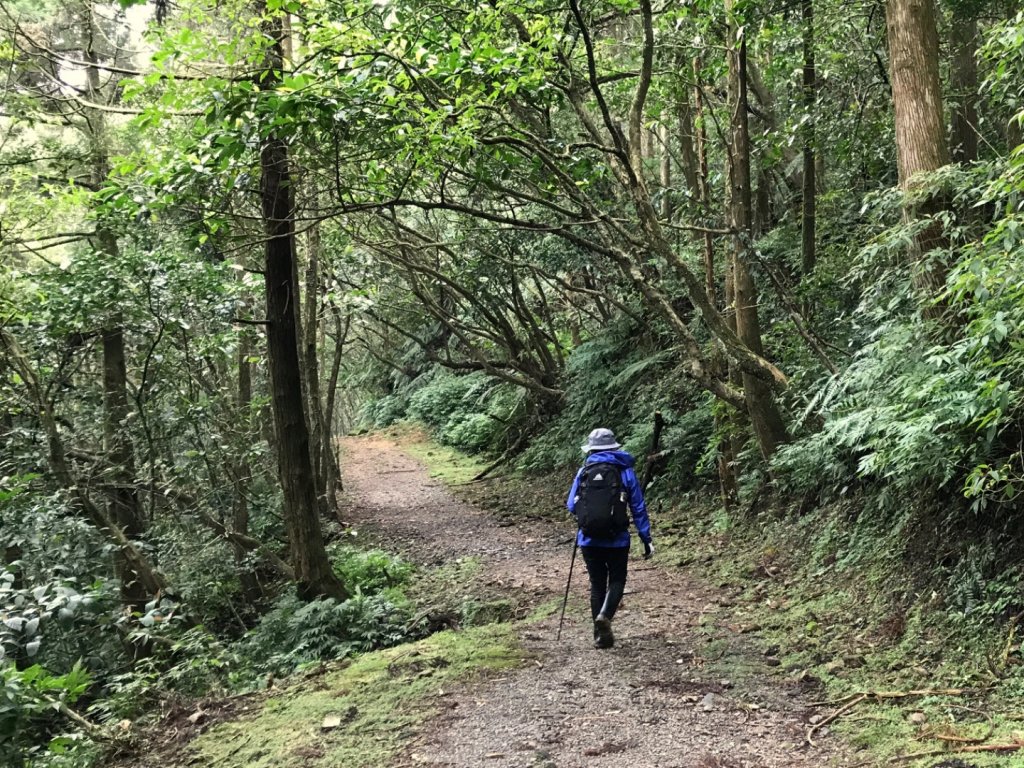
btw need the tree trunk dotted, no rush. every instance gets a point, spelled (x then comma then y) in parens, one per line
(808, 251)
(920, 132)
(340, 337)
(963, 75)
(765, 417)
(320, 440)
(665, 172)
(242, 471)
(313, 570)
(688, 139)
(117, 445)
(763, 218)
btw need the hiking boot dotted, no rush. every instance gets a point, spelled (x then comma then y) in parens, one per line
(603, 637)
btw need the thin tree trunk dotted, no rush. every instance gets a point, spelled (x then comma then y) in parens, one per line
(763, 219)
(309, 558)
(963, 75)
(920, 131)
(665, 172)
(242, 471)
(124, 500)
(340, 337)
(808, 250)
(319, 438)
(765, 417)
(688, 139)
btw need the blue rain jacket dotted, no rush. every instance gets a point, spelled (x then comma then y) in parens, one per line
(636, 500)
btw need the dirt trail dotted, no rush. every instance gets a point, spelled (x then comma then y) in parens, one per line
(654, 701)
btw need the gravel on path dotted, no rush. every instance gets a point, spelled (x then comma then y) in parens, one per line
(653, 701)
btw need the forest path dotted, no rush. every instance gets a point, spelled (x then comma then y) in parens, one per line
(654, 701)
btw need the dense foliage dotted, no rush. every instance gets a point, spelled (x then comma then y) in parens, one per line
(511, 222)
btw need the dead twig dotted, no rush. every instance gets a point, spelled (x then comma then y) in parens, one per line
(834, 716)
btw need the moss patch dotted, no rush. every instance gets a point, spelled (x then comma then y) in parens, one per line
(444, 463)
(379, 698)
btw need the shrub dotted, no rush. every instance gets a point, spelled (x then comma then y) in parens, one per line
(385, 411)
(370, 571)
(293, 633)
(468, 412)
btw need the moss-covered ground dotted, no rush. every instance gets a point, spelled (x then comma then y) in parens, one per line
(358, 716)
(447, 464)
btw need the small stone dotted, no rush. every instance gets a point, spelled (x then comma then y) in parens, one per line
(725, 683)
(708, 702)
(918, 718)
(330, 722)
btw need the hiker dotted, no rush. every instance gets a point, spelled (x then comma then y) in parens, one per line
(603, 489)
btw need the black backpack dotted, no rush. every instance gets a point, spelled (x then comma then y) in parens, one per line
(601, 508)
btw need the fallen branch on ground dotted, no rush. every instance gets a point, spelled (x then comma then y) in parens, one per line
(847, 703)
(880, 695)
(1011, 746)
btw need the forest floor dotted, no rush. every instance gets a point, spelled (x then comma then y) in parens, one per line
(680, 689)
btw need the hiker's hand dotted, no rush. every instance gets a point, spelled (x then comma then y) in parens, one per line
(648, 550)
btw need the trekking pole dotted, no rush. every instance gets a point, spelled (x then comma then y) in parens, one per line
(572, 562)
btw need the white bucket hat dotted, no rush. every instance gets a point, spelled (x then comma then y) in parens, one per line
(601, 439)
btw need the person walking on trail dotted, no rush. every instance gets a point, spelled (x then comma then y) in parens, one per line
(605, 486)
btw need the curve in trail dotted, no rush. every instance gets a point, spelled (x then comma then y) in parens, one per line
(651, 702)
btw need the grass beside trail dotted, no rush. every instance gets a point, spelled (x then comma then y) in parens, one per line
(843, 614)
(379, 698)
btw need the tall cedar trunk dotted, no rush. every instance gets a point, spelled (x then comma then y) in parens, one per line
(701, 190)
(808, 250)
(313, 570)
(920, 131)
(769, 429)
(963, 75)
(123, 507)
(242, 470)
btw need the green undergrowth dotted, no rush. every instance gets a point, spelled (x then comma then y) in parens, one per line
(836, 603)
(361, 715)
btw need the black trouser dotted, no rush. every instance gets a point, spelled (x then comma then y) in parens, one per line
(606, 567)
